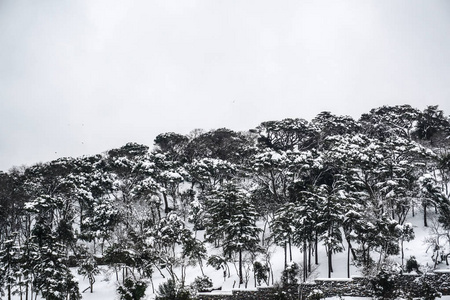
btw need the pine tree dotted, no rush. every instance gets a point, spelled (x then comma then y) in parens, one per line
(237, 218)
(9, 265)
(283, 230)
(52, 275)
(89, 269)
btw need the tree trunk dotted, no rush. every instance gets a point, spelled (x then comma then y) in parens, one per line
(274, 185)
(425, 214)
(309, 257)
(305, 270)
(290, 250)
(91, 282)
(393, 211)
(348, 259)
(81, 218)
(364, 255)
(285, 255)
(403, 253)
(201, 265)
(330, 263)
(166, 203)
(241, 280)
(316, 242)
(264, 232)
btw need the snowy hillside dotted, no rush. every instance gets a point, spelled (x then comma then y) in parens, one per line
(286, 202)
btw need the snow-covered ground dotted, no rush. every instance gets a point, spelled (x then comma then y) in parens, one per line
(106, 285)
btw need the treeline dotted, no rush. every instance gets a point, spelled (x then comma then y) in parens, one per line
(334, 181)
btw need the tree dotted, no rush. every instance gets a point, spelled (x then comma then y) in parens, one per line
(282, 228)
(270, 170)
(333, 208)
(432, 126)
(125, 166)
(369, 172)
(285, 135)
(9, 265)
(276, 172)
(221, 143)
(171, 291)
(12, 198)
(89, 269)
(168, 175)
(407, 234)
(170, 233)
(390, 121)
(235, 221)
(52, 275)
(352, 218)
(431, 193)
(172, 144)
(305, 221)
(443, 166)
(132, 289)
(325, 124)
(398, 174)
(210, 173)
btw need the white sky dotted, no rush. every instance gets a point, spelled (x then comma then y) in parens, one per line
(82, 77)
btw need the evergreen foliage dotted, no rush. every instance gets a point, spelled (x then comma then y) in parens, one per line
(330, 182)
(170, 291)
(132, 289)
(412, 265)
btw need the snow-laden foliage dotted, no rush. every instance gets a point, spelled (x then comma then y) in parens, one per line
(228, 199)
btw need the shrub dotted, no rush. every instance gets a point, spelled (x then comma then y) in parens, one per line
(384, 283)
(290, 274)
(170, 291)
(412, 265)
(427, 291)
(261, 272)
(132, 289)
(315, 294)
(202, 284)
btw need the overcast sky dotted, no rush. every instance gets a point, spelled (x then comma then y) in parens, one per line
(82, 77)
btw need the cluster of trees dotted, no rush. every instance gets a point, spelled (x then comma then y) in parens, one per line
(335, 182)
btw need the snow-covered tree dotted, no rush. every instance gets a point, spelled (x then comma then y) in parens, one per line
(176, 246)
(282, 228)
(172, 144)
(332, 204)
(223, 144)
(233, 218)
(9, 266)
(89, 269)
(433, 126)
(285, 135)
(52, 276)
(390, 121)
(210, 173)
